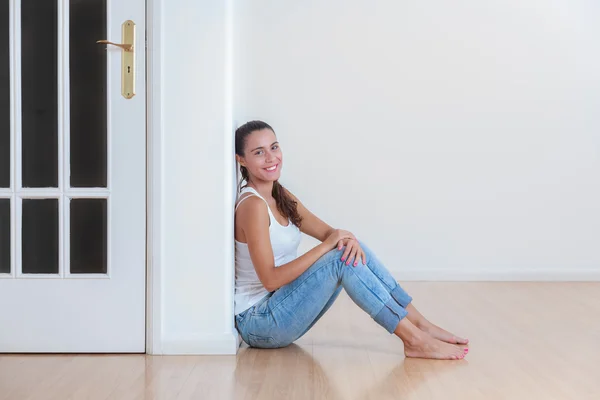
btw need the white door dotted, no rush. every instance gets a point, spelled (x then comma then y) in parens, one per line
(72, 177)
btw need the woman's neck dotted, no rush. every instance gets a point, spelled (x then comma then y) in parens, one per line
(265, 189)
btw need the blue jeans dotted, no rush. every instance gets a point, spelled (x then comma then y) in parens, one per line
(285, 315)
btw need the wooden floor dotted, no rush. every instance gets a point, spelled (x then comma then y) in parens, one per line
(528, 341)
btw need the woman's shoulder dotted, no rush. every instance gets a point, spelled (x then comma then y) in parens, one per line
(250, 206)
(248, 199)
(253, 218)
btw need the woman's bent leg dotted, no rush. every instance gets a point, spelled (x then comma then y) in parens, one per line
(387, 280)
(286, 314)
(405, 300)
(283, 316)
(290, 311)
(324, 310)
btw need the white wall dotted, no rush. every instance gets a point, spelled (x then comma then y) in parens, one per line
(192, 156)
(459, 139)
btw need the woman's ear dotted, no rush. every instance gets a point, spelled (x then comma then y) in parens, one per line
(239, 160)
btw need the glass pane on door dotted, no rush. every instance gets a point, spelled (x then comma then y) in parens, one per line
(39, 238)
(5, 117)
(39, 93)
(88, 236)
(5, 241)
(87, 62)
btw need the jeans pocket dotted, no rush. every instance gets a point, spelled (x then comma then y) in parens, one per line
(262, 342)
(239, 319)
(261, 307)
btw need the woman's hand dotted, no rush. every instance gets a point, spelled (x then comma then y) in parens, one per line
(353, 251)
(337, 236)
(341, 238)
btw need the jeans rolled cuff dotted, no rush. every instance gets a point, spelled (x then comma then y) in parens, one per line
(390, 315)
(401, 296)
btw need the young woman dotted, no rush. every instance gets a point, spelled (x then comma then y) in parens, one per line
(280, 296)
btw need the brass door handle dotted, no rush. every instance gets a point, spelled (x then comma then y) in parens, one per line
(126, 47)
(127, 58)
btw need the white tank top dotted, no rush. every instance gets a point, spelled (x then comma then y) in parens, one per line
(284, 241)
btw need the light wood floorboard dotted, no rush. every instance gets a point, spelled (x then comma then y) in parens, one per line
(528, 341)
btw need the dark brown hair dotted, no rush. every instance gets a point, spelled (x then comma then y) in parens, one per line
(285, 204)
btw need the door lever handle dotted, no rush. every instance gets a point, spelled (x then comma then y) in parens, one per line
(125, 47)
(127, 58)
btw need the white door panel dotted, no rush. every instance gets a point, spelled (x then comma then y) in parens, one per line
(72, 180)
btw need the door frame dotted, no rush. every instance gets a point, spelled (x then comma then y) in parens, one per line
(157, 342)
(154, 131)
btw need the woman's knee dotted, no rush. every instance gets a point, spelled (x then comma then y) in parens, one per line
(331, 256)
(368, 252)
(329, 264)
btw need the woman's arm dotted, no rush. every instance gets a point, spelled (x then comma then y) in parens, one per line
(253, 218)
(311, 224)
(315, 227)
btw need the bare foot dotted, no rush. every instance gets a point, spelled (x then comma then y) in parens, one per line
(423, 324)
(419, 344)
(439, 333)
(428, 347)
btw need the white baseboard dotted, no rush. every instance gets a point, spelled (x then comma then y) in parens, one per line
(548, 275)
(225, 344)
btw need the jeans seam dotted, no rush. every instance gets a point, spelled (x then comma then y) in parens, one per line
(300, 285)
(391, 309)
(374, 294)
(380, 278)
(258, 337)
(253, 309)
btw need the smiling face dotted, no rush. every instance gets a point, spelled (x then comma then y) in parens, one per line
(262, 156)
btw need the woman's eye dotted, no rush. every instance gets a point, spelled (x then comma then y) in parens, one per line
(275, 147)
(258, 153)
